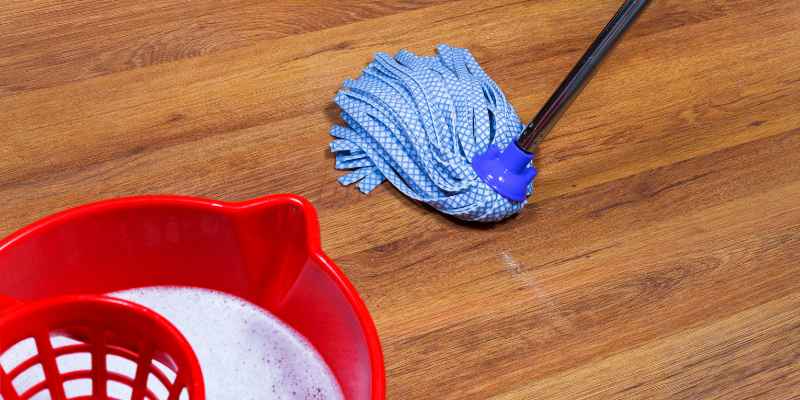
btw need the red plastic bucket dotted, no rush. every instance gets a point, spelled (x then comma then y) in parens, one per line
(265, 250)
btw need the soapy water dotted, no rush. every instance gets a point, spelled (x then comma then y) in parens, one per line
(245, 353)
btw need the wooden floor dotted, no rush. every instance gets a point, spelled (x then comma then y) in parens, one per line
(659, 258)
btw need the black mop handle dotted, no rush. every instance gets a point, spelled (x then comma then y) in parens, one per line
(580, 74)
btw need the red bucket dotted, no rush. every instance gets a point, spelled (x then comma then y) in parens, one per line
(265, 250)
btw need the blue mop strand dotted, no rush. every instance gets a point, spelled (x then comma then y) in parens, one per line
(418, 122)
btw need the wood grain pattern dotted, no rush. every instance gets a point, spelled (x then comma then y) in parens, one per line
(658, 260)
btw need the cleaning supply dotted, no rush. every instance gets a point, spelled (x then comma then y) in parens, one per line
(265, 250)
(442, 132)
(416, 120)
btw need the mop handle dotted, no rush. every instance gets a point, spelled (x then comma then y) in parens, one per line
(547, 117)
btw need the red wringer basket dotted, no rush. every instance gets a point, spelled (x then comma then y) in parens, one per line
(97, 328)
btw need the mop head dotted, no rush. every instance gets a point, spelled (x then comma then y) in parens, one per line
(418, 122)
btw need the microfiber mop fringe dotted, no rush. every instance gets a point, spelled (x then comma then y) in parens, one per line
(418, 122)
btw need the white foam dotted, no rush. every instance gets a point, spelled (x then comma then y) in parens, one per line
(245, 352)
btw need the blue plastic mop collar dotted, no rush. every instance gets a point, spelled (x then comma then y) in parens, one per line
(508, 172)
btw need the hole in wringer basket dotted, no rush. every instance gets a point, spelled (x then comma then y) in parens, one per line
(15, 355)
(78, 387)
(117, 390)
(121, 365)
(28, 378)
(74, 362)
(43, 394)
(58, 340)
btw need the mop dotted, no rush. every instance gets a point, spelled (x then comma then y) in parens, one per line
(442, 132)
